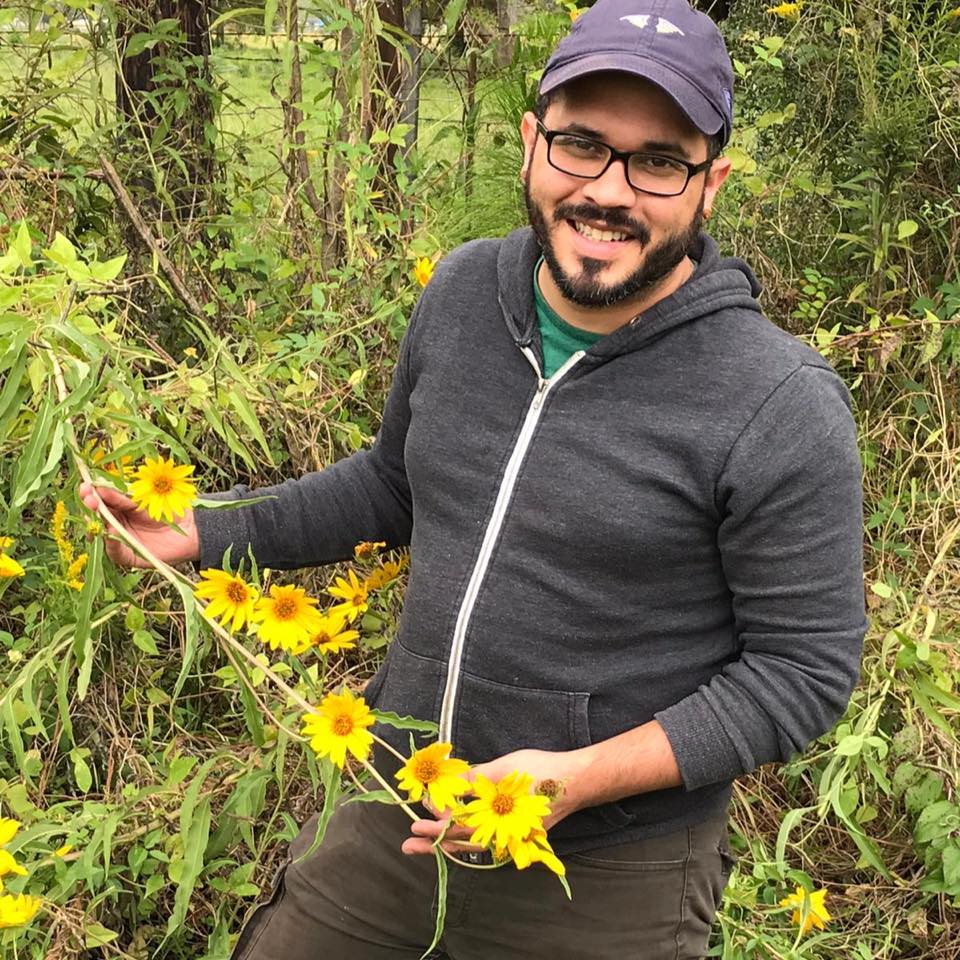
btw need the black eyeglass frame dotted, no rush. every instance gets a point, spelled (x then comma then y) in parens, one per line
(623, 155)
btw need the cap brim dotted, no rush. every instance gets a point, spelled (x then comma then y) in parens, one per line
(703, 115)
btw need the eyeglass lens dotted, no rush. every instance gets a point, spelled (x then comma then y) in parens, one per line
(587, 158)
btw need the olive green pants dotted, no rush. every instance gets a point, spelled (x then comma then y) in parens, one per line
(359, 898)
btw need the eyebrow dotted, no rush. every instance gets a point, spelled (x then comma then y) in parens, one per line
(649, 146)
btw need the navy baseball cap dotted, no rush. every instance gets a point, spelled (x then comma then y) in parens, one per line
(663, 41)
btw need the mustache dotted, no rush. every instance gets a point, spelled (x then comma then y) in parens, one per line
(611, 218)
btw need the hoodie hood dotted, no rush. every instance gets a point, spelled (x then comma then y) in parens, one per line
(718, 283)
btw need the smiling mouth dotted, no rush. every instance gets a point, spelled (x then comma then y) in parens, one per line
(595, 233)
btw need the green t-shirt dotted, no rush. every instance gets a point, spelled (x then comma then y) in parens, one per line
(560, 340)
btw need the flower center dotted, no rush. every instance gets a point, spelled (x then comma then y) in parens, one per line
(162, 485)
(321, 638)
(359, 600)
(502, 804)
(284, 608)
(426, 771)
(342, 725)
(236, 592)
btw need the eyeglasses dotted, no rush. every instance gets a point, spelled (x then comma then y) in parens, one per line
(585, 157)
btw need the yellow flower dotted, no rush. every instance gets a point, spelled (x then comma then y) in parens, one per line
(955, 13)
(74, 571)
(17, 909)
(811, 909)
(229, 596)
(535, 848)
(9, 567)
(434, 770)
(9, 865)
(94, 528)
(786, 11)
(63, 851)
(287, 618)
(383, 575)
(59, 521)
(340, 724)
(58, 530)
(368, 548)
(332, 637)
(574, 12)
(8, 830)
(353, 595)
(504, 812)
(6, 543)
(162, 488)
(423, 270)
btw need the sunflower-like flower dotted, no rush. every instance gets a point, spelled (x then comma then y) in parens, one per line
(8, 830)
(340, 724)
(353, 593)
(368, 548)
(504, 812)
(383, 575)
(288, 618)
(228, 595)
(9, 865)
(9, 567)
(535, 848)
(333, 636)
(433, 770)
(423, 270)
(811, 909)
(18, 909)
(162, 489)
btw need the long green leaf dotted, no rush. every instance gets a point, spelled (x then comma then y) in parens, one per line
(441, 903)
(194, 846)
(250, 421)
(83, 634)
(404, 723)
(792, 818)
(192, 620)
(331, 794)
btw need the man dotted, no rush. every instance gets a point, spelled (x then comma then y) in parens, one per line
(633, 508)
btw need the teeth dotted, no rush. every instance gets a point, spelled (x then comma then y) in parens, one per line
(594, 234)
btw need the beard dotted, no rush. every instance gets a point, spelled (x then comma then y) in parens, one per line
(586, 288)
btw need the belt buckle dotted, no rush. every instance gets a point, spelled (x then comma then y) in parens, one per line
(476, 857)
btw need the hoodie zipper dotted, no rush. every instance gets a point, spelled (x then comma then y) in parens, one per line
(492, 533)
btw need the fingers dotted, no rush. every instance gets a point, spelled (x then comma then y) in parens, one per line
(425, 833)
(111, 498)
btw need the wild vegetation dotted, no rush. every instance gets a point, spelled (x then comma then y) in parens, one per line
(212, 221)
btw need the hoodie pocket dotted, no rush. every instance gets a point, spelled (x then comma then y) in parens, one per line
(408, 684)
(495, 718)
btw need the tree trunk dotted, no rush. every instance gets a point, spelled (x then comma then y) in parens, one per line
(410, 93)
(174, 121)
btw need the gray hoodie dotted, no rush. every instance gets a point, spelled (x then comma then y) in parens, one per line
(669, 528)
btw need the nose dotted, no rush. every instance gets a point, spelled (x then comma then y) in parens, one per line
(611, 189)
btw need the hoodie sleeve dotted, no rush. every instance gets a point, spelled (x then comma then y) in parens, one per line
(321, 516)
(791, 545)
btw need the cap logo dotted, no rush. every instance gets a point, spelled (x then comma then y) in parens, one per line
(642, 20)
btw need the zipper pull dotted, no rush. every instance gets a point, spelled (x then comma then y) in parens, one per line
(541, 391)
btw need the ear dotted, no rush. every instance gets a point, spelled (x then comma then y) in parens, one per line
(718, 172)
(528, 133)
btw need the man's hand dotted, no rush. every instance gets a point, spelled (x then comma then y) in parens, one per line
(638, 760)
(561, 768)
(163, 541)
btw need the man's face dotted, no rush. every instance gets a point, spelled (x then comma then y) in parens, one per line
(568, 213)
